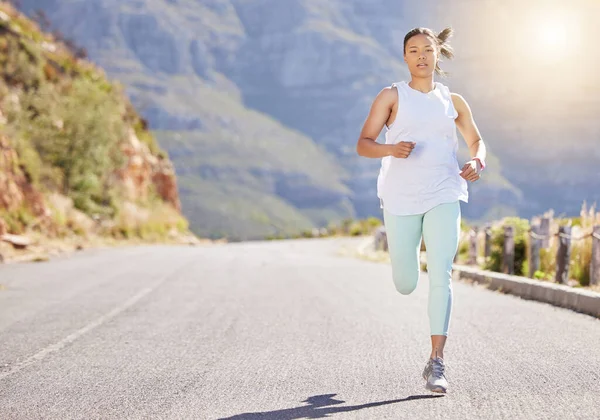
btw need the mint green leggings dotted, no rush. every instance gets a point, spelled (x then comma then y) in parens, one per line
(439, 227)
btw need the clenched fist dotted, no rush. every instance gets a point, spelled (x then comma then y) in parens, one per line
(471, 171)
(402, 149)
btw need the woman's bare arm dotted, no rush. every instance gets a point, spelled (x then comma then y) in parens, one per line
(381, 108)
(467, 127)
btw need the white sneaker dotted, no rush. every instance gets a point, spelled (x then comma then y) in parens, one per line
(434, 374)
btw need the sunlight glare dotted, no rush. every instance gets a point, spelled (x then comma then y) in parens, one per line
(552, 35)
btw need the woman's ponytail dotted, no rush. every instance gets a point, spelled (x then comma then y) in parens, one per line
(444, 48)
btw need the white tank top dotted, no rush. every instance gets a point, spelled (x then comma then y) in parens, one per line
(431, 174)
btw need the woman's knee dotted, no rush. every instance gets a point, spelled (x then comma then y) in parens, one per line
(405, 282)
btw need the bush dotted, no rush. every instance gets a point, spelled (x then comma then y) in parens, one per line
(497, 250)
(463, 251)
(142, 133)
(373, 222)
(20, 64)
(356, 229)
(581, 252)
(75, 128)
(17, 220)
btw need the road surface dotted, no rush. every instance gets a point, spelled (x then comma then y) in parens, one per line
(275, 330)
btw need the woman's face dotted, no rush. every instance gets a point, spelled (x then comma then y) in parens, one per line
(421, 55)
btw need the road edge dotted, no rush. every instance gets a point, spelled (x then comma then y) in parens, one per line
(579, 300)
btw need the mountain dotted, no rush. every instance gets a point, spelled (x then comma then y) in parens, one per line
(243, 173)
(75, 157)
(253, 99)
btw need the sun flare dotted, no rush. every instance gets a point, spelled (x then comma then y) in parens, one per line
(552, 35)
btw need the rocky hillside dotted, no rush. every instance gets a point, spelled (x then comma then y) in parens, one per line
(75, 157)
(259, 103)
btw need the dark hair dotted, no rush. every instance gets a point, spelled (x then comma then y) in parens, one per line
(441, 41)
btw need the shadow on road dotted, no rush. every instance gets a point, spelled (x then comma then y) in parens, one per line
(318, 407)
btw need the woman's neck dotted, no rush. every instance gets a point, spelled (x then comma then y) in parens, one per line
(424, 85)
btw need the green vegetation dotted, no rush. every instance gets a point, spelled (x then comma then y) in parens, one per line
(355, 227)
(521, 228)
(229, 176)
(230, 211)
(67, 122)
(75, 129)
(17, 220)
(581, 246)
(345, 227)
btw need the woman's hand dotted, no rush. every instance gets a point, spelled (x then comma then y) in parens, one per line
(471, 171)
(402, 149)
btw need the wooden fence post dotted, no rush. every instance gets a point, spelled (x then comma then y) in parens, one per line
(563, 254)
(473, 245)
(488, 242)
(381, 239)
(595, 264)
(545, 231)
(508, 259)
(534, 250)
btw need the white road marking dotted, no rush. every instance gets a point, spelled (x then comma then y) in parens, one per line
(74, 336)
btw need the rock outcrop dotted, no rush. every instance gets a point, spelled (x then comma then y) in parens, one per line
(144, 171)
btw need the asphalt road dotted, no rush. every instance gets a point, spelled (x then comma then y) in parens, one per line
(275, 330)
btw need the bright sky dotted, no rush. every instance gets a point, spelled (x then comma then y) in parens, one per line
(558, 33)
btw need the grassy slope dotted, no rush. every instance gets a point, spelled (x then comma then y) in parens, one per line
(228, 171)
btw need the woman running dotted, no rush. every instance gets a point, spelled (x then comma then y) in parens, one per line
(420, 182)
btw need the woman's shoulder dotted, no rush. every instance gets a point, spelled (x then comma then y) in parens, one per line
(397, 89)
(401, 85)
(391, 92)
(450, 92)
(459, 103)
(445, 89)
(456, 97)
